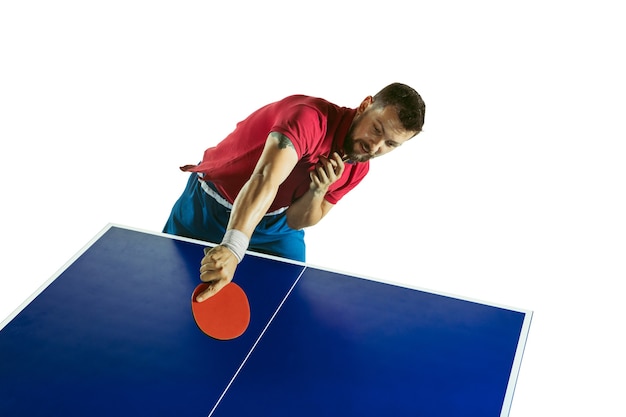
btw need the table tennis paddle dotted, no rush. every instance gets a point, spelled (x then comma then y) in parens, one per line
(224, 316)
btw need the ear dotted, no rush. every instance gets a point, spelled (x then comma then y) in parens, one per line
(365, 104)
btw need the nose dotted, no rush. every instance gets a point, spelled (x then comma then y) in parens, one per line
(375, 145)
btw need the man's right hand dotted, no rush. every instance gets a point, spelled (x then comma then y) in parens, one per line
(217, 268)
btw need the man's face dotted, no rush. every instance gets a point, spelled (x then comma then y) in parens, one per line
(374, 132)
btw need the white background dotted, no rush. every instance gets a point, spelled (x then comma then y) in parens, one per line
(513, 194)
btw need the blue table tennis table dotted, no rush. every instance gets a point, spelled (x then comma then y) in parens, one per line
(112, 334)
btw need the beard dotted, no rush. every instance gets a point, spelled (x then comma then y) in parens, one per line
(348, 150)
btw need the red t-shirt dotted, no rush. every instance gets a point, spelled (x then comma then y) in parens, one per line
(314, 126)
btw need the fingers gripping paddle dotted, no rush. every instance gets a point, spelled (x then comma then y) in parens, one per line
(224, 316)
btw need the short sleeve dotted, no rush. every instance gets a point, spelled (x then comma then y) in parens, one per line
(303, 125)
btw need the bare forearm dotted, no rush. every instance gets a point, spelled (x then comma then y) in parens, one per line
(307, 211)
(251, 204)
(256, 196)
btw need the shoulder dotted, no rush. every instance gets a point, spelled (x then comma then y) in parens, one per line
(307, 105)
(300, 116)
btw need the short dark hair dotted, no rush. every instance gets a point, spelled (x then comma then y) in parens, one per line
(408, 103)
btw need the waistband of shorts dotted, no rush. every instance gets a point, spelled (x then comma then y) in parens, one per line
(210, 189)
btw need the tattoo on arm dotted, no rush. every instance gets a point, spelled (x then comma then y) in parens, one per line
(283, 141)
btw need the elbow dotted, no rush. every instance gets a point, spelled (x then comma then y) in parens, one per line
(298, 222)
(293, 224)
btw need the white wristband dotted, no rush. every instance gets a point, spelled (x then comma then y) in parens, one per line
(237, 242)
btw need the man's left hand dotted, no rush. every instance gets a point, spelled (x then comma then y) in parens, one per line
(326, 172)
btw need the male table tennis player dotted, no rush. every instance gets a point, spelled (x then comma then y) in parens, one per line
(282, 169)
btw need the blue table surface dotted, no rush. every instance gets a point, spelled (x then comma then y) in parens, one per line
(113, 334)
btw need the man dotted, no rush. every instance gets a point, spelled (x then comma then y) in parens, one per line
(282, 169)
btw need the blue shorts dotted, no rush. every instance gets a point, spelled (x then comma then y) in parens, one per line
(199, 216)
